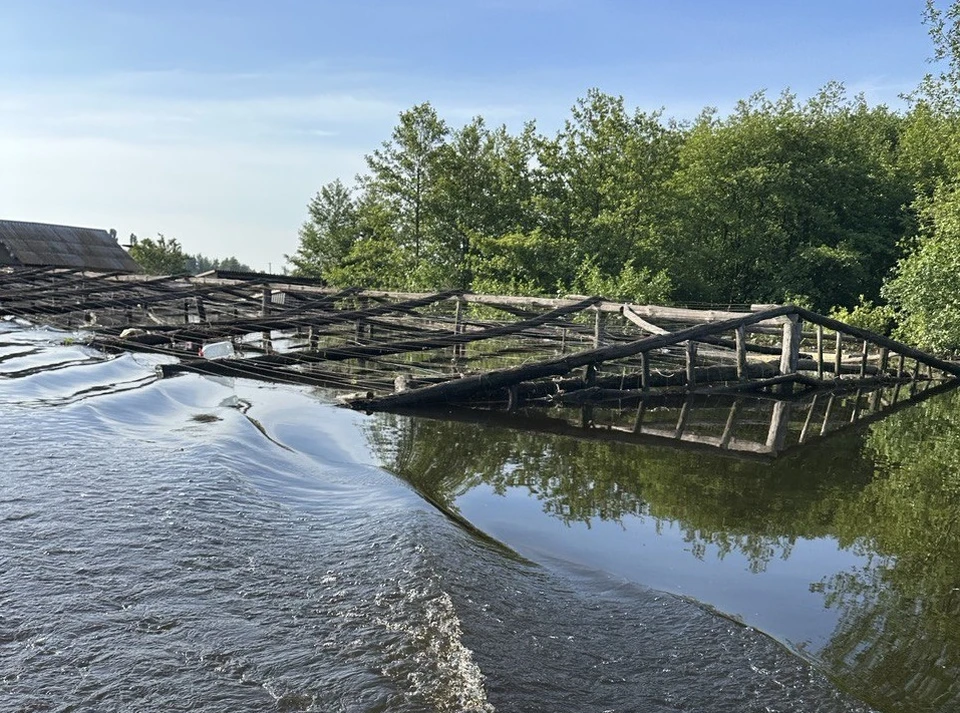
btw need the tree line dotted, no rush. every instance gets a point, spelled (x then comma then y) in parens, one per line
(165, 256)
(829, 202)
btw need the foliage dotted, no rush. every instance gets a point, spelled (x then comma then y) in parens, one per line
(866, 315)
(782, 200)
(925, 290)
(787, 197)
(328, 234)
(632, 284)
(897, 617)
(891, 503)
(200, 263)
(160, 256)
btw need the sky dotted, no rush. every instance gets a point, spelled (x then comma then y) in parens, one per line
(215, 121)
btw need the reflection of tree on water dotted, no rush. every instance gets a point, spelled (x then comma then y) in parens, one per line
(727, 504)
(901, 613)
(893, 497)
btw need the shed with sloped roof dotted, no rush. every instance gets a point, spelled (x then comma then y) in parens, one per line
(25, 244)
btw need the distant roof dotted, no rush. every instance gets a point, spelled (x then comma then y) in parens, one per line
(37, 244)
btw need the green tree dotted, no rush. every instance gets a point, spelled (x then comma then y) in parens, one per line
(923, 289)
(329, 232)
(374, 259)
(600, 186)
(232, 264)
(783, 198)
(196, 264)
(160, 256)
(403, 174)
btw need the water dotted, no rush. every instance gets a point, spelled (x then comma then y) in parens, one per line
(223, 545)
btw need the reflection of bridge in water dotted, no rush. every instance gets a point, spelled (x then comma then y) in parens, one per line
(755, 381)
(742, 426)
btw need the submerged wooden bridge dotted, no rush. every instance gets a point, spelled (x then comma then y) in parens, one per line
(398, 351)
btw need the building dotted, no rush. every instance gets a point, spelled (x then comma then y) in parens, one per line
(43, 245)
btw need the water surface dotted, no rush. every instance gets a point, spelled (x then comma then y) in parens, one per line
(223, 545)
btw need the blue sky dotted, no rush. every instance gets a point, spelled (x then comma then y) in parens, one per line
(215, 121)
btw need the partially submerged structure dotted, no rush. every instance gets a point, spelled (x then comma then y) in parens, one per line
(43, 245)
(589, 364)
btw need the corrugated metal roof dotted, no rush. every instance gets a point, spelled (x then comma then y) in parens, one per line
(63, 246)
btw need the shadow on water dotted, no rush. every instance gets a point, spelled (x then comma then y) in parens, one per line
(846, 549)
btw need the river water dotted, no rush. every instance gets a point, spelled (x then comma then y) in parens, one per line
(207, 544)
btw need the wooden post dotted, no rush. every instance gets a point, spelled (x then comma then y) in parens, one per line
(586, 416)
(186, 312)
(458, 328)
(682, 421)
(896, 389)
(826, 415)
(820, 352)
(864, 355)
(563, 341)
(313, 339)
(638, 420)
(742, 353)
(201, 309)
(790, 347)
(597, 324)
(806, 423)
(691, 355)
(779, 420)
(789, 351)
(884, 361)
(645, 373)
(264, 312)
(728, 427)
(855, 416)
(838, 356)
(590, 375)
(512, 399)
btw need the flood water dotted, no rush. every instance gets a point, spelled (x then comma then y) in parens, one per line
(210, 544)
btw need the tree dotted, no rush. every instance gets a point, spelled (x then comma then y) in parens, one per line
(329, 232)
(600, 185)
(941, 89)
(783, 199)
(924, 287)
(160, 256)
(199, 263)
(403, 176)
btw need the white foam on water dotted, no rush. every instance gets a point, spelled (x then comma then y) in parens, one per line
(440, 669)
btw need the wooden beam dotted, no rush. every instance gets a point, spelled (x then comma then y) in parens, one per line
(879, 339)
(500, 378)
(432, 341)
